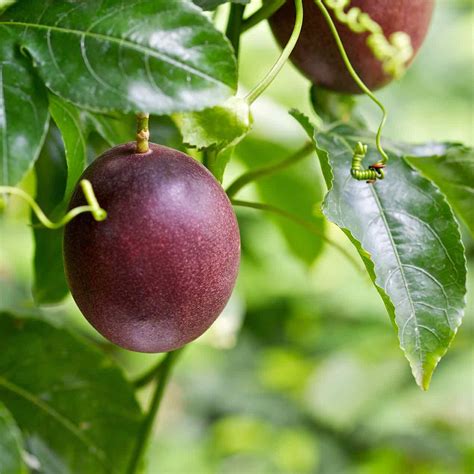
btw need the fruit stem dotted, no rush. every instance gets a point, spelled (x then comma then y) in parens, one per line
(356, 78)
(309, 226)
(285, 54)
(254, 175)
(234, 26)
(146, 429)
(93, 206)
(266, 11)
(143, 132)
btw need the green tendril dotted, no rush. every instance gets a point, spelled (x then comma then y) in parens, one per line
(93, 206)
(376, 170)
(254, 94)
(394, 53)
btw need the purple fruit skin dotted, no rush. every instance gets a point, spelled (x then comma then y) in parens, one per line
(160, 269)
(316, 53)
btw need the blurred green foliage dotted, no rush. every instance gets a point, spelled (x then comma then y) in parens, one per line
(315, 381)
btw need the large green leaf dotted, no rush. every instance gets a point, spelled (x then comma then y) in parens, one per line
(126, 56)
(71, 402)
(23, 112)
(451, 167)
(11, 461)
(292, 190)
(409, 240)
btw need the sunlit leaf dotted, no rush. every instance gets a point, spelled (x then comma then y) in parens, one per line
(11, 461)
(409, 240)
(71, 402)
(217, 129)
(126, 56)
(23, 112)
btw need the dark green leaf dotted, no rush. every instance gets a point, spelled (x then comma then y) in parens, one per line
(451, 168)
(71, 402)
(11, 461)
(212, 4)
(74, 132)
(410, 243)
(295, 190)
(126, 56)
(23, 112)
(51, 175)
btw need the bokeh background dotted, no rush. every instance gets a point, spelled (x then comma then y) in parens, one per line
(303, 373)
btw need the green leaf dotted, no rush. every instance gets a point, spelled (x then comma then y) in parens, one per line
(293, 190)
(23, 112)
(71, 402)
(218, 129)
(126, 56)
(51, 175)
(74, 131)
(213, 4)
(220, 126)
(409, 241)
(451, 168)
(11, 461)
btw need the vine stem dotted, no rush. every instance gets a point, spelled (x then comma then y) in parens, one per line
(146, 429)
(234, 25)
(143, 132)
(266, 11)
(356, 77)
(254, 94)
(301, 222)
(149, 375)
(259, 173)
(93, 206)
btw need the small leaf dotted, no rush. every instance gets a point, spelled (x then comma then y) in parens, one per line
(74, 131)
(11, 444)
(409, 241)
(23, 112)
(126, 56)
(218, 129)
(451, 168)
(71, 402)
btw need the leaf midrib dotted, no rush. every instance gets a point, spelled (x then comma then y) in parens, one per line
(396, 254)
(140, 48)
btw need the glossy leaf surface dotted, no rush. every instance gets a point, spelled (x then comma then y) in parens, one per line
(11, 461)
(72, 403)
(409, 240)
(126, 56)
(23, 112)
(451, 167)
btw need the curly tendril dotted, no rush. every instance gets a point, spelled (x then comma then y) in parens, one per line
(394, 52)
(376, 170)
(357, 172)
(93, 207)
